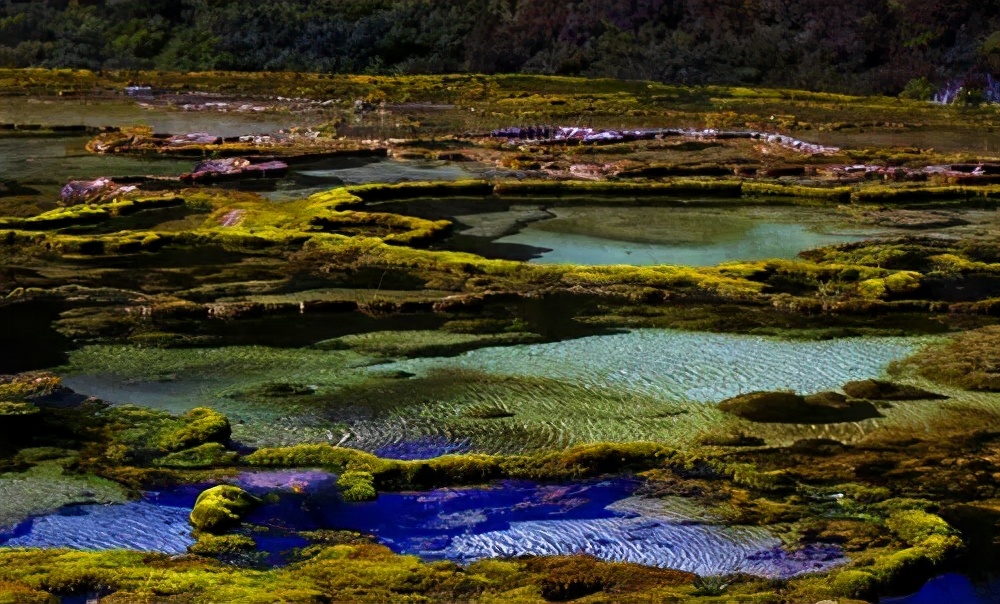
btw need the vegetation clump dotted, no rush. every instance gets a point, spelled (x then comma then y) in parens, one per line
(357, 486)
(971, 360)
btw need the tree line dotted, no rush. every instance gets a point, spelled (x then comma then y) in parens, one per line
(861, 46)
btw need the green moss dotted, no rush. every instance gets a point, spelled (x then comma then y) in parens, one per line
(382, 192)
(895, 284)
(14, 593)
(221, 508)
(750, 476)
(855, 584)
(218, 545)
(9, 409)
(342, 573)
(199, 426)
(624, 190)
(357, 486)
(865, 493)
(826, 194)
(25, 386)
(208, 455)
(575, 462)
(916, 526)
(895, 195)
(904, 566)
(423, 343)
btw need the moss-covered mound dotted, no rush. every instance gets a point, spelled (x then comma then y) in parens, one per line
(878, 390)
(220, 545)
(791, 408)
(971, 360)
(221, 508)
(200, 426)
(208, 455)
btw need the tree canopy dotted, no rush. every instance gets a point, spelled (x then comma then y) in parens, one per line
(851, 45)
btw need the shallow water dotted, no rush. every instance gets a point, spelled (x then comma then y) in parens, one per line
(141, 526)
(507, 518)
(644, 235)
(647, 384)
(98, 113)
(305, 179)
(55, 160)
(944, 141)
(513, 518)
(685, 366)
(953, 588)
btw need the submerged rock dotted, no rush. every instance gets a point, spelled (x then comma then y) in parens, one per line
(232, 168)
(92, 191)
(194, 138)
(550, 134)
(878, 390)
(791, 408)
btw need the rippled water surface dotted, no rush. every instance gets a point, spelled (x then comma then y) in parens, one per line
(140, 526)
(647, 384)
(677, 365)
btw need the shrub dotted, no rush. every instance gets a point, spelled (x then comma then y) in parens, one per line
(918, 89)
(357, 486)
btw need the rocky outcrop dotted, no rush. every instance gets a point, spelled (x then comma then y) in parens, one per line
(558, 134)
(234, 168)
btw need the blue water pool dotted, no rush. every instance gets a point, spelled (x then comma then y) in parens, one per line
(602, 518)
(953, 588)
